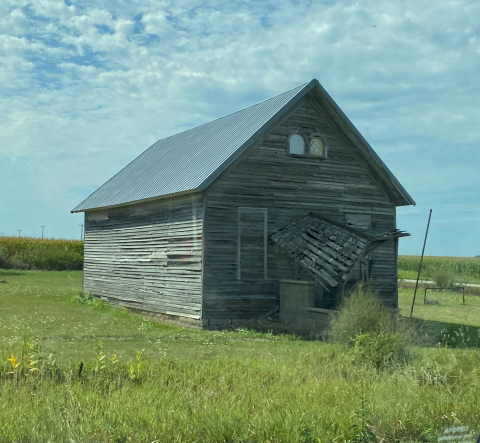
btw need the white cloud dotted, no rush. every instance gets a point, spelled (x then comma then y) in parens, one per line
(53, 9)
(14, 22)
(87, 87)
(156, 23)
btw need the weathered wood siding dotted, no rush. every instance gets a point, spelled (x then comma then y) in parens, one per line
(289, 187)
(147, 256)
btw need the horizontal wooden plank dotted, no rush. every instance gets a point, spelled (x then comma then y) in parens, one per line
(148, 256)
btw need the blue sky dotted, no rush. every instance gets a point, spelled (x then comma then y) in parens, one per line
(87, 86)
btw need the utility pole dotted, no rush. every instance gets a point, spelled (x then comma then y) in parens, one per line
(43, 227)
(2, 234)
(19, 230)
(81, 231)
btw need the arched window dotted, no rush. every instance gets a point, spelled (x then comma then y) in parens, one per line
(296, 144)
(317, 147)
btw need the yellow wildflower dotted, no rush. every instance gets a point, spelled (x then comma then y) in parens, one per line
(15, 363)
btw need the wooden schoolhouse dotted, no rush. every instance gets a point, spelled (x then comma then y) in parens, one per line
(273, 211)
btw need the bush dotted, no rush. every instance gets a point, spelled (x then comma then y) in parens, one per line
(361, 312)
(443, 279)
(378, 335)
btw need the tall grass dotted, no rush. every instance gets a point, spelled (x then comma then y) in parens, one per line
(463, 266)
(361, 312)
(210, 386)
(323, 398)
(46, 254)
(378, 335)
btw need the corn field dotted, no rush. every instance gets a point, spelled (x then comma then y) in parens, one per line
(46, 254)
(465, 266)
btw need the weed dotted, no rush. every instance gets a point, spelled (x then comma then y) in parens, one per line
(458, 338)
(361, 312)
(32, 362)
(83, 297)
(362, 430)
(443, 279)
(379, 350)
(86, 298)
(379, 337)
(134, 368)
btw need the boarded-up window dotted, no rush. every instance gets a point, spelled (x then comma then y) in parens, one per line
(359, 221)
(252, 244)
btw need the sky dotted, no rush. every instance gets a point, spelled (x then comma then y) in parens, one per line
(85, 87)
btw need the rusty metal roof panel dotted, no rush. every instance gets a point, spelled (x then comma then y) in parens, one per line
(192, 159)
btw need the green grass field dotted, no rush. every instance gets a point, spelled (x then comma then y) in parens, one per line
(207, 386)
(446, 320)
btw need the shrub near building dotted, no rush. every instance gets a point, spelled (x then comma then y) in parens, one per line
(46, 254)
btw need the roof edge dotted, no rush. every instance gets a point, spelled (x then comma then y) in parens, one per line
(369, 150)
(279, 115)
(143, 200)
(396, 193)
(306, 87)
(371, 155)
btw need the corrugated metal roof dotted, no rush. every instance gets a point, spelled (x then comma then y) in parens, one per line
(190, 160)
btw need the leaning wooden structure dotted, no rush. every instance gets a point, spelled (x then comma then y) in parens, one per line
(207, 225)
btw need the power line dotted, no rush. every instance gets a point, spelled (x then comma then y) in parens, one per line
(43, 227)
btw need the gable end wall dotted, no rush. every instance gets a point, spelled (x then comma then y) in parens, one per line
(289, 187)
